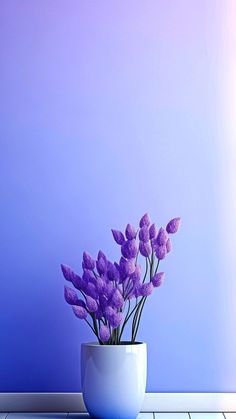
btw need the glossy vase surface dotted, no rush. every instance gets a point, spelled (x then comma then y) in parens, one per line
(113, 379)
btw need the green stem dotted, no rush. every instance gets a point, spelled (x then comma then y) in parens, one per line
(139, 318)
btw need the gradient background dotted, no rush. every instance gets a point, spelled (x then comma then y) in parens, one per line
(110, 109)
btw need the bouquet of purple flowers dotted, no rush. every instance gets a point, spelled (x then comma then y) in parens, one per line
(114, 293)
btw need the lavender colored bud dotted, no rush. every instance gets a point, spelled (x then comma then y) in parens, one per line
(88, 262)
(145, 220)
(157, 279)
(162, 237)
(112, 272)
(91, 291)
(99, 313)
(70, 295)
(127, 267)
(91, 304)
(100, 285)
(144, 234)
(67, 272)
(101, 265)
(153, 231)
(117, 299)
(130, 232)
(168, 246)
(80, 312)
(129, 249)
(101, 255)
(160, 252)
(108, 288)
(118, 236)
(103, 302)
(136, 275)
(104, 333)
(87, 275)
(78, 282)
(146, 289)
(116, 320)
(173, 225)
(145, 249)
(108, 313)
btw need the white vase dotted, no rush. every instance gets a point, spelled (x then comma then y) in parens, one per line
(113, 379)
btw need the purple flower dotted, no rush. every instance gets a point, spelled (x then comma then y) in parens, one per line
(91, 304)
(157, 279)
(88, 262)
(129, 249)
(101, 263)
(118, 236)
(136, 275)
(145, 220)
(99, 313)
(109, 312)
(144, 234)
(104, 333)
(160, 252)
(67, 272)
(91, 290)
(116, 320)
(117, 300)
(103, 302)
(145, 249)
(127, 267)
(70, 295)
(87, 275)
(100, 284)
(162, 237)
(130, 232)
(80, 312)
(152, 231)
(168, 246)
(108, 288)
(78, 283)
(146, 289)
(173, 225)
(112, 272)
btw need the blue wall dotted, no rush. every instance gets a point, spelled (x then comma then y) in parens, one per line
(108, 110)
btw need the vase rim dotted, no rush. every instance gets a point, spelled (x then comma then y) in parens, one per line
(121, 344)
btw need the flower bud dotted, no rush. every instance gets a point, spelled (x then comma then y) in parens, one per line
(157, 279)
(145, 220)
(127, 267)
(129, 249)
(146, 289)
(104, 333)
(116, 320)
(162, 237)
(80, 312)
(70, 295)
(88, 262)
(130, 232)
(145, 249)
(118, 236)
(117, 300)
(101, 264)
(112, 272)
(173, 225)
(91, 304)
(153, 231)
(144, 234)
(160, 252)
(67, 272)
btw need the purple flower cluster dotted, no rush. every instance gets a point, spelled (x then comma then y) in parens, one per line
(107, 288)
